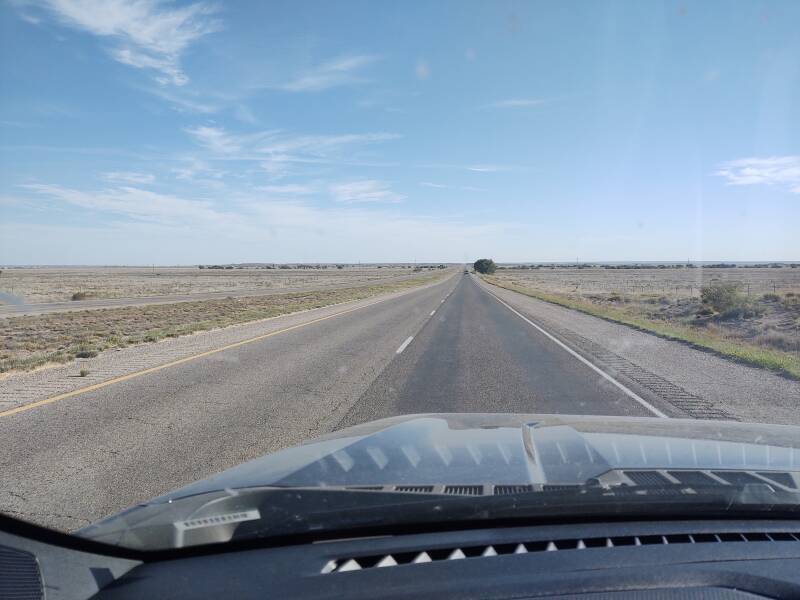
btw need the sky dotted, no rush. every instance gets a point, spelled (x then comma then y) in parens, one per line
(158, 132)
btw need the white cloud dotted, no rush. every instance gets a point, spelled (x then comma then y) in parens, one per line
(217, 139)
(250, 227)
(340, 71)
(442, 186)
(135, 204)
(364, 190)
(518, 103)
(318, 145)
(279, 145)
(129, 177)
(29, 18)
(475, 168)
(244, 114)
(781, 171)
(150, 34)
(279, 153)
(191, 168)
(487, 168)
(184, 99)
(275, 231)
(277, 167)
(291, 189)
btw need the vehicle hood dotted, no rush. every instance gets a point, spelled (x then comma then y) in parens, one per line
(509, 450)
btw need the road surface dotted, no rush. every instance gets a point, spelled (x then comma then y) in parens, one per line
(452, 346)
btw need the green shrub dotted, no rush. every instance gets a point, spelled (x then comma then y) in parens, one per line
(722, 296)
(85, 350)
(770, 297)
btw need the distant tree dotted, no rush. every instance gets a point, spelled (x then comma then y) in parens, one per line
(485, 266)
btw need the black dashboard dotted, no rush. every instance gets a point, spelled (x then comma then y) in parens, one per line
(664, 560)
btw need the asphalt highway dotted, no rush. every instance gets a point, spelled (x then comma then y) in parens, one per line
(449, 347)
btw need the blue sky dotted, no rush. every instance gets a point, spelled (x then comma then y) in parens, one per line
(139, 131)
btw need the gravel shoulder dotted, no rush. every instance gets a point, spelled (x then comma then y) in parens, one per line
(726, 387)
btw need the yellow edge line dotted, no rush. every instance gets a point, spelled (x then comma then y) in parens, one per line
(97, 386)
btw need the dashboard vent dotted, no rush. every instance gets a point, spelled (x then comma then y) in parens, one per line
(673, 482)
(503, 490)
(692, 478)
(358, 563)
(464, 490)
(20, 578)
(414, 489)
(647, 478)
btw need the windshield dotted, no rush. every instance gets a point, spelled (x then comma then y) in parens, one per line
(284, 268)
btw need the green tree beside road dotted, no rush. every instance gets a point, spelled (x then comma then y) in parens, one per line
(485, 266)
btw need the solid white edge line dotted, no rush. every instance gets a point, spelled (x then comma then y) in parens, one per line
(592, 366)
(404, 345)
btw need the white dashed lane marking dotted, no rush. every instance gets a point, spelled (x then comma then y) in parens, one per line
(405, 344)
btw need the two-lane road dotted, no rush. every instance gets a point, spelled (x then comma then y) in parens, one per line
(447, 347)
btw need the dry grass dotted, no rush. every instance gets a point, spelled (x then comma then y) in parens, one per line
(672, 283)
(32, 341)
(47, 284)
(764, 331)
